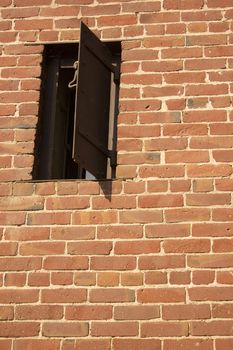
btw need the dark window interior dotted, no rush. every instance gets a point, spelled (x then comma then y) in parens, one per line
(54, 139)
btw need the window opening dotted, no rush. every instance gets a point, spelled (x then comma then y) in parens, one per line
(76, 134)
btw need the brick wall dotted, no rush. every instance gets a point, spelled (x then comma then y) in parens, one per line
(144, 261)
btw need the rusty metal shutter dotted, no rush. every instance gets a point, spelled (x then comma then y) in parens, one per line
(91, 126)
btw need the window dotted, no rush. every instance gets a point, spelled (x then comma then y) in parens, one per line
(76, 134)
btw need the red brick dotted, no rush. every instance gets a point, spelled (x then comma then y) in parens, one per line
(167, 230)
(199, 199)
(19, 3)
(66, 263)
(138, 55)
(205, 116)
(180, 185)
(65, 329)
(224, 277)
(119, 329)
(223, 245)
(5, 344)
(162, 17)
(95, 217)
(211, 328)
(88, 188)
(210, 293)
(161, 171)
(186, 246)
(185, 312)
(87, 312)
(132, 31)
(38, 312)
(161, 295)
(162, 91)
(72, 233)
(182, 4)
(89, 248)
(162, 66)
(26, 233)
(225, 214)
(186, 157)
(196, 16)
(224, 184)
(138, 131)
(175, 104)
(179, 277)
(140, 216)
(209, 170)
(164, 329)
(34, 24)
(116, 202)
(8, 248)
(157, 186)
(16, 329)
(119, 231)
(223, 156)
(175, 28)
(20, 264)
(136, 344)
(110, 279)
(136, 158)
(137, 312)
(225, 344)
(22, 203)
(203, 277)
(111, 295)
(141, 79)
(203, 185)
(215, 3)
(218, 51)
(163, 144)
(59, 11)
(221, 129)
(42, 248)
(38, 279)
(141, 6)
(222, 311)
(161, 262)
(36, 344)
(137, 247)
(187, 214)
(63, 295)
(15, 279)
(48, 35)
(17, 296)
(187, 52)
(48, 218)
(113, 263)
(155, 277)
(187, 344)
(86, 344)
(84, 278)
(210, 261)
(213, 229)
(134, 187)
(159, 201)
(6, 313)
(67, 203)
(129, 145)
(164, 41)
(62, 278)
